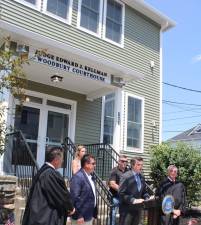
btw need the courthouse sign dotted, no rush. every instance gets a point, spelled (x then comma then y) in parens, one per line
(71, 67)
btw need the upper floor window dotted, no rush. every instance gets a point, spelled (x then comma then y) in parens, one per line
(31, 1)
(134, 123)
(89, 15)
(36, 4)
(114, 21)
(60, 9)
(109, 119)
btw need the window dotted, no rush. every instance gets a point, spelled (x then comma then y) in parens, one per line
(90, 15)
(31, 1)
(134, 122)
(59, 9)
(114, 24)
(36, 4)
(109, 119)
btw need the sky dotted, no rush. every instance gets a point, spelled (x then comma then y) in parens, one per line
(181, 65)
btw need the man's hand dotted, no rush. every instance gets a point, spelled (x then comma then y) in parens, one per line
(176, 212)
(151, 197)
(72, 212)
(80, 221)
(138, 201)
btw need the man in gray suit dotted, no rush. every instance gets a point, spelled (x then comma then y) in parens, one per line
(132, 192)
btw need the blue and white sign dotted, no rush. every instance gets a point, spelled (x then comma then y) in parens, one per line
(168, 204)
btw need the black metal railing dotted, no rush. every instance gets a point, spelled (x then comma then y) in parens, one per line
(20, 161)
(104, 197)
(106, 158)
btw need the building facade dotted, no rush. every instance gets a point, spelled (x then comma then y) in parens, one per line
(98, 78)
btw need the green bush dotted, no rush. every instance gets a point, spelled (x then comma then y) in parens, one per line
(188, 161)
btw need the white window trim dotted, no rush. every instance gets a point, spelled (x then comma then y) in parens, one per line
(103, 117)
(131, 149)
(67, 20)
(37, 6)
(104, 24)
(99, 24)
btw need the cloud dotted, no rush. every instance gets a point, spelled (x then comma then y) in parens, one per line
(197, 58)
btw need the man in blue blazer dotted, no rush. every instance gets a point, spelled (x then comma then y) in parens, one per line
(83, 192)
(132, 193)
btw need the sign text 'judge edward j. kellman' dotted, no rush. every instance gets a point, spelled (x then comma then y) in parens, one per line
(71, 67)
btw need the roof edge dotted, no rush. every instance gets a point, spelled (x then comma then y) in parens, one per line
(154, 14)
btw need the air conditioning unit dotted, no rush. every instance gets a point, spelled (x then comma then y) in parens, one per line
(117, 81)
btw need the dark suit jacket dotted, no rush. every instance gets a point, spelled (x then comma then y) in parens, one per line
(128, 191)
(83, 197)
(49, 200)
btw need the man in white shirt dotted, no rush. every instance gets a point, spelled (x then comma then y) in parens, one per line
(83, 192)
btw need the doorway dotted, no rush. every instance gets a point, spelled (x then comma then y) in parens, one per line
(45, 121)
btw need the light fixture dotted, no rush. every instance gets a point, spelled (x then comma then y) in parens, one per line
(152, 64)
(27, 99)
(56, 78)
(21, 49)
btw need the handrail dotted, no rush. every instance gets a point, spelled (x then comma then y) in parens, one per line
(19, 160)
(104, 197)
(104, 170)
(27, 146)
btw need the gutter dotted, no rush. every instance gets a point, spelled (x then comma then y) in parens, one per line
(165, 22)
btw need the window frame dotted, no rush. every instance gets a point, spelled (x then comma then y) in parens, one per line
(104, 100)
(37, 6)
(98, 34)
(121, 44)
(67, 20)
(134, 149)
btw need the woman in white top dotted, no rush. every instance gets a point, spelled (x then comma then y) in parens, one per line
(76, 163)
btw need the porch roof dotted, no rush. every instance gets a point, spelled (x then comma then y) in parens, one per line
(92, 89)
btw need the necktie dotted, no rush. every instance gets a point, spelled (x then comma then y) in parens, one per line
(138, 181)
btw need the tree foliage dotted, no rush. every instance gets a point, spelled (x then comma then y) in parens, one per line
(188, 161)
(12, 79)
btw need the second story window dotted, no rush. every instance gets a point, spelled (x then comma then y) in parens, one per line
(35, 4)
(114, 24)
(59, 9)
(89, 16)
(31, 1)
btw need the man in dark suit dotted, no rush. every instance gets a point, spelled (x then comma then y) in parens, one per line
(132, 193)
(171, 186)
(83, 192)
(49, 201)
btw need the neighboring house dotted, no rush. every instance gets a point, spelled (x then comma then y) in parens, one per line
(100, 79)
(191, 137)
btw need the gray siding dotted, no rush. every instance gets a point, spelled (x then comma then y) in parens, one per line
(141, 44)
(88, 118)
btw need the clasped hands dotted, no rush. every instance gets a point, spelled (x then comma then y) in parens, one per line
(176, 213)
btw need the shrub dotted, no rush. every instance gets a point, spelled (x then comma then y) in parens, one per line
(186, 158)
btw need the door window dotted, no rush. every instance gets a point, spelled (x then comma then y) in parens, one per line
(27, 120)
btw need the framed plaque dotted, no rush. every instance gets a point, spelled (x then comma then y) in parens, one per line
(168, 204)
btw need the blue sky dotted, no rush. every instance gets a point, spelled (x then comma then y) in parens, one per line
(181, 64)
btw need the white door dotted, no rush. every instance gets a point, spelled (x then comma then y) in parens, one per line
(44, 124)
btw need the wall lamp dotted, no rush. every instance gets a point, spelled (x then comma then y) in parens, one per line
(56, 78)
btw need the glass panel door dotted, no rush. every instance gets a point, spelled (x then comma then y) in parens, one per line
(27, 120)
(57, 128)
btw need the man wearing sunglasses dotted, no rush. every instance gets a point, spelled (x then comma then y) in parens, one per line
(83, 192)
(114, 180)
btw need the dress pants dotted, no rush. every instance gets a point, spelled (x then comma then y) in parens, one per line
(74, 222)
(130, 218)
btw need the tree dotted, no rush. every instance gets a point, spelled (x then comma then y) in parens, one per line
(188, 161)
(12, 79)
